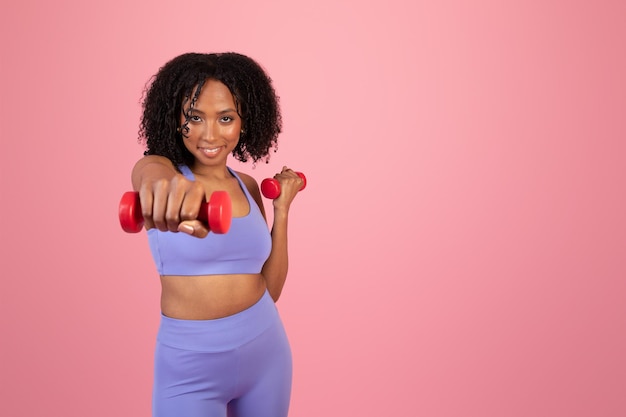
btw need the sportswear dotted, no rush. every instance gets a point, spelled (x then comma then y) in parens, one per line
(242, 250)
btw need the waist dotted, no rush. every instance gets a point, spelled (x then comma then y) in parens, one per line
(208, 297)
(222, 334)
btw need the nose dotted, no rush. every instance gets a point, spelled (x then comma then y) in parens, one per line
(210, 131)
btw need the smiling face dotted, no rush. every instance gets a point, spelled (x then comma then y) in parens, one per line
(211, 127)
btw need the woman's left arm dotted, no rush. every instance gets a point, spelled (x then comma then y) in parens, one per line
(275, 268)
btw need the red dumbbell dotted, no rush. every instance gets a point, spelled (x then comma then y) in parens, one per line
(217, 213)
(270, 187)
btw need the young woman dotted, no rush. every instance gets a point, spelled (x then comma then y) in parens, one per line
(221, 346)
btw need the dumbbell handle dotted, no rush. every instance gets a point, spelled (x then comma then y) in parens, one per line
(216, 214)
(270, 187)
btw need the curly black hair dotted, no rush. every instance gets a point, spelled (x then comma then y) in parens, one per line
(181, 79)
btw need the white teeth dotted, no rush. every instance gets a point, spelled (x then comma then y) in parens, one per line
(213, 150)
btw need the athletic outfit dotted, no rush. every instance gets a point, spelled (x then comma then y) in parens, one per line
(240, 364)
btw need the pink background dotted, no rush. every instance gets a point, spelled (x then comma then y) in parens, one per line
(460, 248)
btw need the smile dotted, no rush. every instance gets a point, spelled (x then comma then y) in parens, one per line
(210, 150)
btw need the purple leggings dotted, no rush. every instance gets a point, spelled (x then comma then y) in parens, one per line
(234, 366)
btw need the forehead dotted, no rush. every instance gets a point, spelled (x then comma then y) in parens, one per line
(214, 93)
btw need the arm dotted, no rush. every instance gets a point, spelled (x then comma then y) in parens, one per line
(169, 201)
(275, 268)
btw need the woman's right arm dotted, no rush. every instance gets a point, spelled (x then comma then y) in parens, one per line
(151, 168)
(169, 201)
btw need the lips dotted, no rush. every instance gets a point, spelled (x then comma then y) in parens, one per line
(210, 151)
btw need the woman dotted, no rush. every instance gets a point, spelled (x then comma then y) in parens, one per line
(221, 347)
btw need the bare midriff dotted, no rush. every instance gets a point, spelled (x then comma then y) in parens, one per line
(208, 297)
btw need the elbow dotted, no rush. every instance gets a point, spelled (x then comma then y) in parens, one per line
(275, 294)
(274, 282)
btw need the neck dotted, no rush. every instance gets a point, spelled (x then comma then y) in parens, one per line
(211, 173)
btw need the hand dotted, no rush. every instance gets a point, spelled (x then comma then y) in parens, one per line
(290, 183)
(173, 205)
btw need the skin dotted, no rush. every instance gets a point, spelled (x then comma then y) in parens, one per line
(170, 202)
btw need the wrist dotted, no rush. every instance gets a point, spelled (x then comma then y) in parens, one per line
(280, 212)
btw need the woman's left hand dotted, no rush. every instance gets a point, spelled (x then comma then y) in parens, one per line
(290, 183)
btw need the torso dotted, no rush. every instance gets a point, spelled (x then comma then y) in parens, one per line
(206, 297)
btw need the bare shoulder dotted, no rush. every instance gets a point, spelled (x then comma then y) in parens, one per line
(253, 189)
(249, 181)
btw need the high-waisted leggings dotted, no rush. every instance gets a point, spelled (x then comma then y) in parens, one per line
(239, 365)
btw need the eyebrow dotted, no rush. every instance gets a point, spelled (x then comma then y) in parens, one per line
(195, 110)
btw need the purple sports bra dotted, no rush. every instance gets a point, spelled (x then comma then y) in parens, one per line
(242, 250)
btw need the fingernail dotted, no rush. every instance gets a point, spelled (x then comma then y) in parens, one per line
(186, 228)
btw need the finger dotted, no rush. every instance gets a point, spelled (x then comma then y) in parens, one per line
(172, 213)
(288, 171)
(156, 211)
(193, 228)
(190, 207)
(146, 201)
(291, 177)
(183, 202)
(285, 173)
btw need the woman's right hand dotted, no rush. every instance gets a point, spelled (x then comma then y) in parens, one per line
(169, 201)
